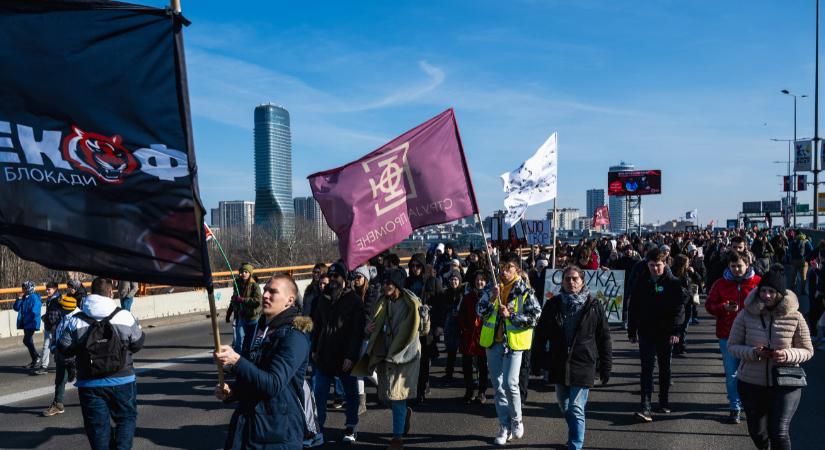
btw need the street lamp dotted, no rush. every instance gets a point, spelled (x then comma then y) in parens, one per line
(787, 92)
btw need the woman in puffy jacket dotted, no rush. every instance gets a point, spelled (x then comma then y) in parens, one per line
(725, 299)
(770, 332)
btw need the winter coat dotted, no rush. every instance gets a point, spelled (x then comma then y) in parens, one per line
(248, 302)
(657, 309)
(73, 338)
(269, 386)
(54, 313)
(724, 290)
(801, 249)
(395, 350)
(28, 312)
(787, 328)
(470, 325)
(338, 331)
(589, 353)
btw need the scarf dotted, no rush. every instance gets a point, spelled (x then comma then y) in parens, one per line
(574, 302)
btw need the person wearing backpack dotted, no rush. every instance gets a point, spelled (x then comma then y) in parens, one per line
(104, 337)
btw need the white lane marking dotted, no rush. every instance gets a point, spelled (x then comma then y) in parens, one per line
(49, 390)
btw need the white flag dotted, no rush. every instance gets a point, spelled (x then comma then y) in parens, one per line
(533, 182)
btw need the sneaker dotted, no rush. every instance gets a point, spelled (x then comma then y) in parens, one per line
(644, 415)
(349, 436)
(40, 371)
(467, 399)
(503, 436)
(408, 421)
(314, 441)
(34, 364)
(338, 403)
(480, 399)
(53, 410)
(518, 430)
(663, 409)
(735, 417)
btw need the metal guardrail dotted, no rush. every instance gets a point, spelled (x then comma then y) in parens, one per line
(220, 279)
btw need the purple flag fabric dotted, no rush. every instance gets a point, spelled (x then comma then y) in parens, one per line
(419, 178)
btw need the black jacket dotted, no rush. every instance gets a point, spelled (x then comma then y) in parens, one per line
(590, 352)
(338, 330)
(657, 309)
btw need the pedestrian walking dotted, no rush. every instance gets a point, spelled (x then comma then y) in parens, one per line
(394, 349)
(725, 300)
(246, 304)
(427, 288)
(654, 321)
(269, 374)
(104, 337)
(28, 306)
(771, 338)
(509, 313)
(50, 321)
(446, 320)
(473, 355)
(337, 334)
(65, 366)
(575, 326)
(127, 290)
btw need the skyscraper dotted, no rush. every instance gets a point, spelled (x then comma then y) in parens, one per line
(273, 171)
(595, 198)
(308, 214)
(618, 205)
(235, 219)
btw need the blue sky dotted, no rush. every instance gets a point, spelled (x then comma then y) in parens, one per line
(691, 88)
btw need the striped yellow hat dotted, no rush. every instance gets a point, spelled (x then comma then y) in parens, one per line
(68, 303)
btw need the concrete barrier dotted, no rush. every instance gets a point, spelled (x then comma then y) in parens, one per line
(150, 307)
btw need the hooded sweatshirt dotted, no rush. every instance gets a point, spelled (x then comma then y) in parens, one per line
(131, 335)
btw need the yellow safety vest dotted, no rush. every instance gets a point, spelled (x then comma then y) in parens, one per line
(517, 338)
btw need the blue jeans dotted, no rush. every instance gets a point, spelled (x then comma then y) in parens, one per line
(126, 303)
(242, 328)
(350, 383)
(102, 404)
(399, 416)
(47, 342)
(572, 401)
(504, 373)
(731, 365)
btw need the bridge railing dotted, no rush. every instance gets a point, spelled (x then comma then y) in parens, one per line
(220, 279)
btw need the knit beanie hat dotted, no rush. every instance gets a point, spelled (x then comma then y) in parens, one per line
(246, 267)
(397, 277)
(775, 278)
(68, 303)
(28, 287)
(338, 268)
(455, 274)
(365, 272)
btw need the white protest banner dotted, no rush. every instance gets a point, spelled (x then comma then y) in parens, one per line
(538, 231)
(606, 286)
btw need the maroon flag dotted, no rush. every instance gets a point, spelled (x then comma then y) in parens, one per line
(419, 178)
(601, 216)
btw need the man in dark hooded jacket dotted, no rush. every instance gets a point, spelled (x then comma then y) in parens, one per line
(427, 289)
(338, 330)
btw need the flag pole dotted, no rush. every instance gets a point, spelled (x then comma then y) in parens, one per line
(554, 234)
(487, 251)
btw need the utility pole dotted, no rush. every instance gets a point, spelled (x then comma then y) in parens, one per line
(817, 150)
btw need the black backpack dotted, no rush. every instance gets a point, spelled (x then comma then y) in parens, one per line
(101, 353)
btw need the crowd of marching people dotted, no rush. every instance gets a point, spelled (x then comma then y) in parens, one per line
(486, 314)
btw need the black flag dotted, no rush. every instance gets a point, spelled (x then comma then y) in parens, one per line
(97, 165)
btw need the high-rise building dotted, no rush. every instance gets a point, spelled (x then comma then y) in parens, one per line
(235, 219)
(308, 213)
(216, 217)
(567, 217)
(595, 198)
(618, 205)
(273, 170)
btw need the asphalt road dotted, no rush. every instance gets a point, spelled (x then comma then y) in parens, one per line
(177, 410)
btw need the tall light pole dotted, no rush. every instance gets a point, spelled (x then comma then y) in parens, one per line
(790, 180)
(787, 92)
(816, 125)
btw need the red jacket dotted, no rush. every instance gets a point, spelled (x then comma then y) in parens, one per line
(722, 291)
(470, 325)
